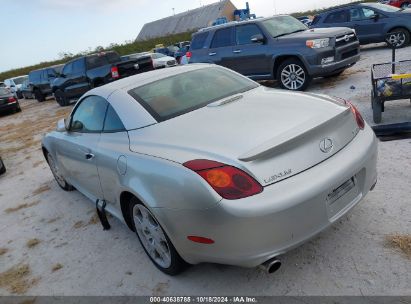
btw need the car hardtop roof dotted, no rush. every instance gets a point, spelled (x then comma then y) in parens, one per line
(131, 82)
(338, 7)
(232, 23)
(46, 68)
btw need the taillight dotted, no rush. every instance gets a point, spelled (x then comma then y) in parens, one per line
(229, 182)
(355, 112)
(11, 99)
(114, 72)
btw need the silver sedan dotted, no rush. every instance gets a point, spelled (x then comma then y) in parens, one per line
(206, 165)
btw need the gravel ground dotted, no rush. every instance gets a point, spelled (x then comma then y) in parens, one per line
(72, 255)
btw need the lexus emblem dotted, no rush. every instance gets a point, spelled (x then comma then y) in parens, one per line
(326, 145)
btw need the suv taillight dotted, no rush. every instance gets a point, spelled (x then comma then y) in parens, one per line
(114, 72)
(229, 182)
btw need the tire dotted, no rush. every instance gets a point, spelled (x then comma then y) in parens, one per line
(149, 232)
(404, 5)
(57, 175)
(18, 108)
(404, 36)
(19, 94)
(293, 75)
(2, 167)
(61, 98)
(376, 110)
(39, 96)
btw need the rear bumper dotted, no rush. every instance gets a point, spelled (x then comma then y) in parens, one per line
(9, 106)
(249, 231)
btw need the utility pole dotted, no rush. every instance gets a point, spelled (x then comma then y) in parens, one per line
(173, 11)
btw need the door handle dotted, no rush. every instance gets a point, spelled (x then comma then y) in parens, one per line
(89, 156)
(237, 51)
(212, 54)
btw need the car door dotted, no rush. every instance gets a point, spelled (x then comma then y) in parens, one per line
(111, 158)
(248, 57)
(220, 51)
(76, 152)
(78, 80)
(369, 24)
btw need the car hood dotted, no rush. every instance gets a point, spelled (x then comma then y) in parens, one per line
(263, 131)
(315, 33)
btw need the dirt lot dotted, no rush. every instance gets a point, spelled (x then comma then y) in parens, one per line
(52, 244)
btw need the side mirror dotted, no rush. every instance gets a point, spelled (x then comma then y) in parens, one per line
(258, 38)
(77, 126)
(61, 125)
(375, 17)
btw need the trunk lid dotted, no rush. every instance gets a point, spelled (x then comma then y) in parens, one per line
(271, 134)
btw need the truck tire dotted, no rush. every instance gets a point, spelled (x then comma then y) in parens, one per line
(61, 98)
(39, 96)
(404, 36)
(292, 75)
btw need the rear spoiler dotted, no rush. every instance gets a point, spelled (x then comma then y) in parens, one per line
(279, 143)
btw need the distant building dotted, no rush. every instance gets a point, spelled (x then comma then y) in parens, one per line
(188, 21)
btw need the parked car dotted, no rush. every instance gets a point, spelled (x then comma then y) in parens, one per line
(168, 51)
(371, 21)
(40, 81)
(159, 60)
(87, 72)
(397, 3)
(206, 165)
(8, 102)
(27, 90)
(2, 167)
(14, 84)
(279, 47)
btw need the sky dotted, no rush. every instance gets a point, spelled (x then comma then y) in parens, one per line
(39, 30)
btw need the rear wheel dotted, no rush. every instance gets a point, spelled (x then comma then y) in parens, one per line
(399, 37)
(57, 174)
(39, 96)
(293, 75)
(154, 240)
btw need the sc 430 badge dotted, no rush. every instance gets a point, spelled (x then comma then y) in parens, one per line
(278, 176)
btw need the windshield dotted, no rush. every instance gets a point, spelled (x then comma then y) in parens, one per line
(19, 80)
(283, 25)
(384, 7)
(185, 92)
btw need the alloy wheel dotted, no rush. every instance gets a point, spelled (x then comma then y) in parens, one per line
(293, 76)
(56, 172)
(396, 39)
(152, 236)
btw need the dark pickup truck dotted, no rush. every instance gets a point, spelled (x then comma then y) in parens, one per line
(84, 73)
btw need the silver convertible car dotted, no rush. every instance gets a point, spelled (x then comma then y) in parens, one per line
(206, 165)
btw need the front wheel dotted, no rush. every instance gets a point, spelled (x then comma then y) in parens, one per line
(61, 98)
(293, 75)
(57, 174)
(154, 240)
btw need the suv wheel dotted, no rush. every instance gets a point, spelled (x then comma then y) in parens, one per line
(401, 37)
(293, 75)
(39, 96)
(61, 98)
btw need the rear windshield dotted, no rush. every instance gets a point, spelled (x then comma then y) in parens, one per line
(185, 92)
(283, 25)
(98, 60)
(4, 91)
(19, 80)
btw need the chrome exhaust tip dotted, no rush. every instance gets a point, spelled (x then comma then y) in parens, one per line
(271, 266)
